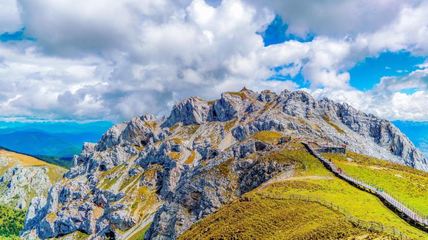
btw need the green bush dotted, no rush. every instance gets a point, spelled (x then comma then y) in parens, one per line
(11, 222)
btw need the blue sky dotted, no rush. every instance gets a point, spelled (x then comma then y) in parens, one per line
(120, 59)
(367, 73)
(19, 35)
(115, 61)
(364, 75)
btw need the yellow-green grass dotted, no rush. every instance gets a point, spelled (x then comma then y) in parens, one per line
(11, 222)
(16, 159)
(331, 123)
(258, 218)
(295, 154)
(140, 234)
(128, 180)
(51, 217)
(110, 177)
(141, 202)
(174, 155)
(270, 137)
(191, 129)
(360, 204)
(240, 94)
(177, 140)
(175, 126)
(191, 158)
(77, 235)
(230, 124)
(139, 148)
(246, 220)
(151, 124)
(80, 235)
(406, 184)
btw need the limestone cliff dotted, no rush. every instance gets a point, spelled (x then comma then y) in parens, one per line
(205, 154)
(23, 177)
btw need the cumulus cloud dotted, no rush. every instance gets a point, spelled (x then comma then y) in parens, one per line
(143, 58)
(10, 20)
(336, 18)
(117, 59)
(403, 98)
(408, 31)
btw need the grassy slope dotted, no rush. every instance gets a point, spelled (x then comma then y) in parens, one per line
(16, 159)
(258, 218)
(408, 185)
(303, 219)
(271, 137)
(12, 220)
(140, 234)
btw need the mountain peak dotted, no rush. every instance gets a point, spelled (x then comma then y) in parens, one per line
(205, 154)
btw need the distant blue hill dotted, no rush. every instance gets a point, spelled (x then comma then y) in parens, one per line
(50, 140)
(417, 133)
(57, 142)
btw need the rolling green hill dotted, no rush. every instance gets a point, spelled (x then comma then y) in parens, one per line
(312, 204)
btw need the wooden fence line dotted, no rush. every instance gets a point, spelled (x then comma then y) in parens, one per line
(367, 225)
(404, 212)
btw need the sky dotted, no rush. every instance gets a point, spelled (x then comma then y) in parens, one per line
(115, 59)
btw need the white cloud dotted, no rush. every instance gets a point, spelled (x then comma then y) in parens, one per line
(403, 98)
(129, 60)
(9, 16)
(408, 31)
(336, 18)
(116, 59)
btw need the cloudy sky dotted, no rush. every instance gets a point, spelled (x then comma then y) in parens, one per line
(114, 59)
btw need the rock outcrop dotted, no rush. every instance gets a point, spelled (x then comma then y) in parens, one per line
(24, 177)
(204, 155)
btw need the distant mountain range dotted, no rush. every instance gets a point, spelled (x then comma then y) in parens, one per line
(417, 132)
(59, 141)
(50, 140)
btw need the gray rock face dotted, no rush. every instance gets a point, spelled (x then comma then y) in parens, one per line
(35, 212)
(267, 96)
(178, 175)
(381, 131)
(190, 111)
(223, 109)
(297, 103)
(20, 183)
(204, 191)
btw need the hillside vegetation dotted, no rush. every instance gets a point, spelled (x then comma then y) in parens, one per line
(231, 168)
(10, 159)
(11, 222)
(269, 213)
(406, 184)
(23, 178)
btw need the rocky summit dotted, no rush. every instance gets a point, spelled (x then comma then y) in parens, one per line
(159, 177)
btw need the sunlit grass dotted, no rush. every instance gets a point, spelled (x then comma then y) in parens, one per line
(270, 137)
(258, 218)
(408, 185)
(331, 123)
(140, 234)
(16, 159)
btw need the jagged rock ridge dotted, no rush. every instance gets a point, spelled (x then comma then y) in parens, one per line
(204, 155)
(23, 177)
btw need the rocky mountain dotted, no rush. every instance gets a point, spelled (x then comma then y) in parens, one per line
(23, 177)
(156, 177)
